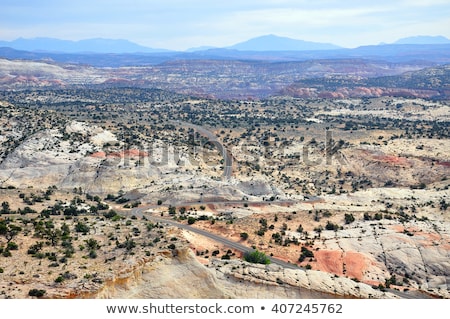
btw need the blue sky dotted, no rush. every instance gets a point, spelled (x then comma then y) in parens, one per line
(178, 25)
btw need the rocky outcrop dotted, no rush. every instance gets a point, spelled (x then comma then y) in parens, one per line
(245, 280)
(62, 158)
(182, 276)
(167, 276)
(356, 92)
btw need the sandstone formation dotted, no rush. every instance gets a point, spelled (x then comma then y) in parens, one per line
(375, 217)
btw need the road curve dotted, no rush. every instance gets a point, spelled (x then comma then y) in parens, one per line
(140, 211)
(212, 138)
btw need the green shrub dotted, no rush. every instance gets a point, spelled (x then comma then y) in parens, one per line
(349, 218)
(244, 236)
(92, 254)
(36, 293)
(12, 246)
(256, 257)
(59, 279)
(305, 253)
(110, 214)
(82, 228)
(331, 226)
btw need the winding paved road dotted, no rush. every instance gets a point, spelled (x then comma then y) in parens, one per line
(212, 138)
(140, 212)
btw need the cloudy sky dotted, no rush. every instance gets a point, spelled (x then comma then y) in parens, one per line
(178, 24)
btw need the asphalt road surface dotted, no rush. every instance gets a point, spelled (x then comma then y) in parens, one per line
(212, 138)
(140, 212)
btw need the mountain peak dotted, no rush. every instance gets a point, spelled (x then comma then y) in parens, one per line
(271, 42)
(423, 39)
(94, 45)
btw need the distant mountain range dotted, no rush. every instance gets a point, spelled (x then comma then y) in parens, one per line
(97, 45)
(424, 40)
(270, 48)
(266, 43)
(275, 43)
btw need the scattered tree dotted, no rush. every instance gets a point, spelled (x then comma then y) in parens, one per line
(256, 257)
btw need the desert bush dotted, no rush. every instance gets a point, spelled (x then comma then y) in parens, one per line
(331, 226)
(82, 228)
(256, 257)
(305, 253)
(349, 218)
(36, 293)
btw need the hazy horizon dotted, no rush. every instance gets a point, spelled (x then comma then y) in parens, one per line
(178, 25)
(22, 43)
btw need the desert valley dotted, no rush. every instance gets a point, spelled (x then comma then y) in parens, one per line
(166, 180)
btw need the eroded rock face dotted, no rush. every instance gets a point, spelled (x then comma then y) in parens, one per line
(356, 92)
(413, 249)
(182, 276)
(66, 158)
(179, 276)
(75, 156)
(247, 280)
